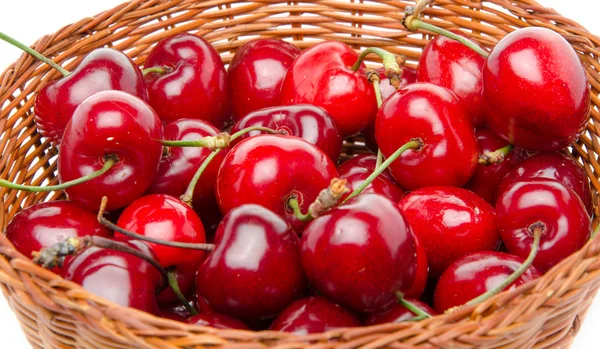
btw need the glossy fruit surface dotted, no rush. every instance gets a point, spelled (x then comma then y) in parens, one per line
(219, 321)
(367, 161)
(409, 76)
(397, 313)
(357, 175)
(422, 271)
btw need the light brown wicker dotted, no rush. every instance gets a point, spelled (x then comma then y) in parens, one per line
(58, 314)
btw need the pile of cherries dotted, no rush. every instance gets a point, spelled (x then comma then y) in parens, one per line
(263, 227)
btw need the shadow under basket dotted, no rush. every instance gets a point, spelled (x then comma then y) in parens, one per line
(55, 313)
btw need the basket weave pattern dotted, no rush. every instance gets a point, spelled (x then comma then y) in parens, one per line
(55, 313)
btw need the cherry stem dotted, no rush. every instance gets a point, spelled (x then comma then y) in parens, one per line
(110, 225)
(110, 161)
(495, 157)
(293, 204)
(34, 53)
(411, 307)
(220, 141)
(158, 70)
(375, 80)
(416, 144)
(414, 24)
(392, 69)
(172, 276)
(379, 160)
(327, 199)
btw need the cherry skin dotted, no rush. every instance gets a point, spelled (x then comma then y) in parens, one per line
(256, 73)
(176, 311)
(536, 89)
(486, 179)
(367, 161)
(434, 114)
(254, 271)
(450, 222)
(565, 223)
(321, 76)
(372, 230)
(475, 274)
(195, 84)
(270, 169)
(218, 321)
(110, 123)
(305, 121)
(104, 69)
(448, 63)
(313, 315)
(422, 272)
(557, 166)
(381, 185)
(397, 313)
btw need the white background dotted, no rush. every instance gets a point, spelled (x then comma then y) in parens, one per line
(28, 20)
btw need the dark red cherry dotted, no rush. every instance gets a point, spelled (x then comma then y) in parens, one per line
(110, 123)
(397, 313)
(486, 179)
(256, 73)
(305, 121)
(557, 166)
(313, 315)
(104, 69)
(195, 84)
(434, 114)
(176, 311)
(450, 222)
(321, 76)
(537, 201)
(254, 271)
(449, 63)
(367, 161)
(167, 218)
(186, 280)
(381, 185)
(371, 230)
(536, 90)
(218, 321)
(270, 169)
(422, 271)
(475, 274)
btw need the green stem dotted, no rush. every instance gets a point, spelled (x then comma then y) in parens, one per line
(411, 307)
(109, 162)
(188, 196)
(34, 53)
(377, 89)
(390, 63)
(495, 157)
(220, 141)
(415, 24)
(175, 287)
(158, 70)
(253, 128)
(293, 204)
(413, 144)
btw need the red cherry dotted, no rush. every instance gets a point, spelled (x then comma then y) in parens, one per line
(486, 180)
(186, 280)
(313, 315)
(422, 272)
(321, 76)
(450, 222)
(557, 166)
(176, 311)
(367, 161)
(434, 114)
(270, 169)
(219, 321)
(254, 271)
(194, 85)
(110, 123)
(381, 185)
(256, 73)
(371, 229)
(305, 121)
(397, 313)
(475, 274)
(564, 221)
(103, 69)
(536, 89)
(448, 63)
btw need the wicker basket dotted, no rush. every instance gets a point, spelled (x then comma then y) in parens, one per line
(55, 313)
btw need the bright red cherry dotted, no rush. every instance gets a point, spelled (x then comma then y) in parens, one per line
(256, 73)
(254, 271)
(219, 321)
(305, 121)
(450, 222)
(434, 114)
(313, 315)
(557, 166)
(558, 210)
(110, 123)
(367, 161)
(371, 230)
(422, 272)
(104, 69)
(536, 89)
(475, 274)
(321, 76)
(270, 169)
(397, 313)
(356, 175)
(194, 84)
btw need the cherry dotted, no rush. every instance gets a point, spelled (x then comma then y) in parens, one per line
(450, 222)
(381, 185)
(538, 203)
(305, 121)
(313, 315)
(367, 161)
(187, 79)
(397, 313)
(254, 271)
(321, 76)
(219, 321)
(422, 272)
(256, 73)
(371, 230)
(269, 170)
(434, 114)
(557, 166)
(475, 274)
(536, 89)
